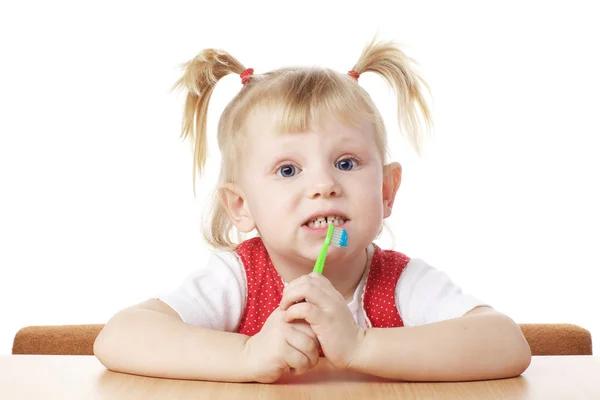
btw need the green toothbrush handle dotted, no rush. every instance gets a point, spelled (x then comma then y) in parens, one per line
(321, 259)
(323, 254)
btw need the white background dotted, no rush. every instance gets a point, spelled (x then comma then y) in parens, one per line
(97, 210)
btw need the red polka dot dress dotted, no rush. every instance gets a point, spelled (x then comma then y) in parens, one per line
(379, 296)
(265, 287)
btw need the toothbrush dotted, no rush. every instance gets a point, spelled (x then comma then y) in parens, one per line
(335, 236)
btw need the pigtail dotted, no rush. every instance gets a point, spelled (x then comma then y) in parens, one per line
(199, 79)
(388, 61)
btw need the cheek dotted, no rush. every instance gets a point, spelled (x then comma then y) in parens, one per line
(371, 182)
(372, 208)
(369, 196)
(270, 200)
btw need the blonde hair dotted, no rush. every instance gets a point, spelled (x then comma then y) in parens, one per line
(302, 97)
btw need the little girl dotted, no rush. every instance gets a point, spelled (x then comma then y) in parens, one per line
(302, 148)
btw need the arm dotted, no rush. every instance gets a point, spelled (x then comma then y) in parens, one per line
(484, 344)
(151, 339)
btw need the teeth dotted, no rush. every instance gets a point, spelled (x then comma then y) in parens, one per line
(322, 222)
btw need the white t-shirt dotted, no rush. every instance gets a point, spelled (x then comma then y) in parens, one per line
(214, 296)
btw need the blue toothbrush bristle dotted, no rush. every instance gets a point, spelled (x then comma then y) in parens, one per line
(339, 237)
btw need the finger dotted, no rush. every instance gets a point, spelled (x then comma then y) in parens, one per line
(302, 326)
(305, 292)
(322, 279)
(299, 281)
(313, 277)
(324, 283)
(296, 360)
(305, 345)
(305, 328)
(306, 311)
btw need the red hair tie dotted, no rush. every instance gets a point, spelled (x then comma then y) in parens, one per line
(246, 75)
(354, 74)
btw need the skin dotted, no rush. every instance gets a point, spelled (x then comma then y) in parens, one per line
(335, 166)
(150, 339)
(483, 344)
(332, 166)
(290, 177)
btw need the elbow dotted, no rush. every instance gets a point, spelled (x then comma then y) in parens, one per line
(517, 350)
(107, 348)
(517, 365)
(522, 357)
(102, 348)
(505, 348)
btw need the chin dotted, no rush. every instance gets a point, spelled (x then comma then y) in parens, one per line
(340, 253)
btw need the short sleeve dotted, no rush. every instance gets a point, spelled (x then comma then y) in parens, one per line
(214, 296)
(425, 295)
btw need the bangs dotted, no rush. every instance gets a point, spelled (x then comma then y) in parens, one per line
(296, 100)
(302, 98)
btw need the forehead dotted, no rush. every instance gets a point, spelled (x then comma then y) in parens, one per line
(264, 125)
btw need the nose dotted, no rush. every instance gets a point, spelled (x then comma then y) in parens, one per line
(324, 186)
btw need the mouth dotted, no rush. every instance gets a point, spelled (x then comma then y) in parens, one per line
(321, 221)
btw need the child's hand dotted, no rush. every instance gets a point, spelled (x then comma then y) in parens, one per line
(326, 310)
(280, 346)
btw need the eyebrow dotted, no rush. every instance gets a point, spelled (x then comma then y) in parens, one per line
(272, 162)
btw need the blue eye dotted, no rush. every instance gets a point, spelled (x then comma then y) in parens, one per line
(287, 171)
(346, 164)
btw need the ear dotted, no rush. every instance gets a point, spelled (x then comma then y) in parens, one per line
(392, 176)
(234, 202)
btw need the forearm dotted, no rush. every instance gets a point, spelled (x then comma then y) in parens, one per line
(145, 342)
(474, 347)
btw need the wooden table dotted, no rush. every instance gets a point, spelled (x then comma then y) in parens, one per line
(83, 377)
